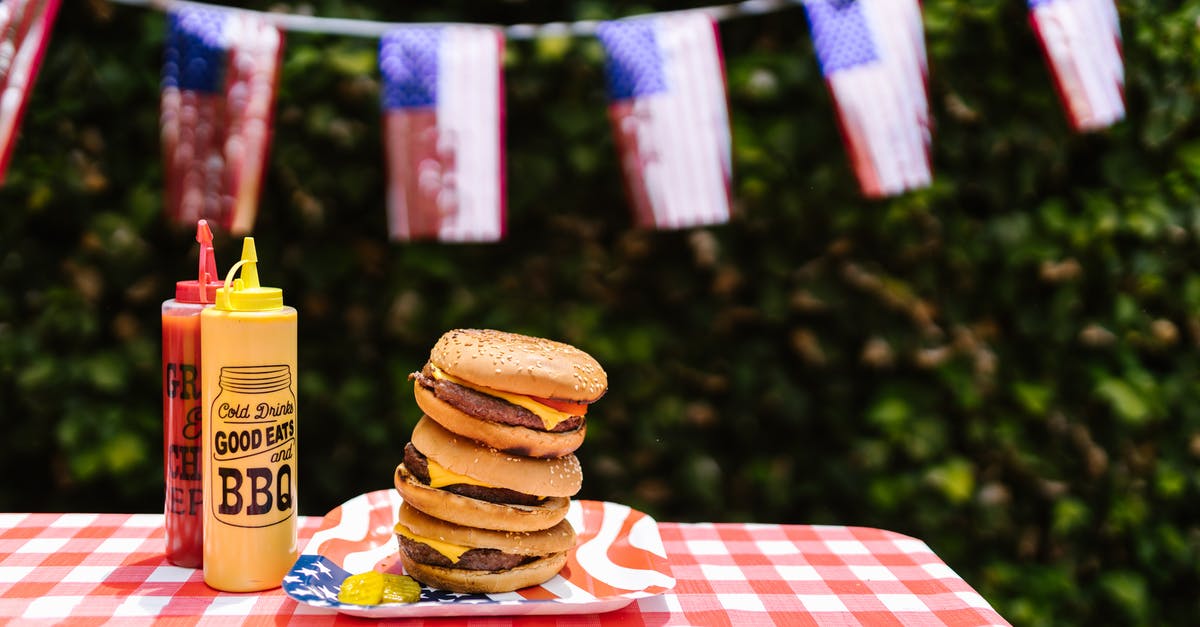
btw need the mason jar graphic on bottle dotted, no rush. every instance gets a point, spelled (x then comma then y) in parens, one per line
(253, 446)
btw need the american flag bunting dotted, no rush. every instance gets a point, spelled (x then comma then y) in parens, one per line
(25, 27)
(872, 54)
(670, 119)
(443, 122)
(220, 72)
(1081, 40)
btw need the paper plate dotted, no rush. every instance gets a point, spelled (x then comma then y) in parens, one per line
(618, 558)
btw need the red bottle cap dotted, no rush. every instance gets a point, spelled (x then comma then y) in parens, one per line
(190, 291)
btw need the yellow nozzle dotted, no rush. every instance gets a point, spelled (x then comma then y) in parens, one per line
(246, 294)
(250, 257)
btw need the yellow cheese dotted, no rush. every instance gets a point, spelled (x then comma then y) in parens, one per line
(451, 551)
(440, 476)
(550, 416)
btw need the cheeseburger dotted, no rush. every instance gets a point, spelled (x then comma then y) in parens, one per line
(489, 471)
(471, 559)
(515, 393)
(453, 478)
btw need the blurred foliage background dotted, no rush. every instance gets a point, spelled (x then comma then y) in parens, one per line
(1004, 365)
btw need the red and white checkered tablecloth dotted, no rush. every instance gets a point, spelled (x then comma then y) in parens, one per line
(109, 568)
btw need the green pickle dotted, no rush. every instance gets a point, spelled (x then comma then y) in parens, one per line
(400, 589)
(362, 589)
(373, 588)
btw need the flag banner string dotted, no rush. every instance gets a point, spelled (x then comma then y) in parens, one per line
(443, 111)
(513, 32)
(443, 114)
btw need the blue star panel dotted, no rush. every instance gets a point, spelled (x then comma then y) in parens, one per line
(194, 55)
(840, 34)
(408, 60)
(635, 65)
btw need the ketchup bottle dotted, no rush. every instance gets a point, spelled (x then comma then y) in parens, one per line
(182, 411)
(249, 441)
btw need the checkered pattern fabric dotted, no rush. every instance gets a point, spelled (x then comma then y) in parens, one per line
(92, 569)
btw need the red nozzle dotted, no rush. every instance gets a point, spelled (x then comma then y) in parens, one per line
(208, 258)
(204, 290)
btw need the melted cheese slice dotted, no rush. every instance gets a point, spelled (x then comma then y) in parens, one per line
(440, 476)
(550, 416)
(451, 551)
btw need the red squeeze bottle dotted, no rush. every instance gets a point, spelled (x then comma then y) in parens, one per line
(182, 396)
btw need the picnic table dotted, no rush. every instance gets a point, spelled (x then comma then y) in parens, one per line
(86, 568)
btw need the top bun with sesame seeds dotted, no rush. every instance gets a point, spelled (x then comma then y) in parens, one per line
(516, 393)
(520, 364)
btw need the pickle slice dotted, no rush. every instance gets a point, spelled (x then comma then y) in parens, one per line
(400, 589)
(362, 589)
(373, 588)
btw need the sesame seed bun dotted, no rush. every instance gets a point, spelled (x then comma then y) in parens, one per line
(521, 364)
(513, 439)
(560, 476)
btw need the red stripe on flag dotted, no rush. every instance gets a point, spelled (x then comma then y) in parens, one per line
(414, 173)
(27, 26)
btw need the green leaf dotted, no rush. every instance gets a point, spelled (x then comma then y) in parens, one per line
(1070, 514)
(1128, 591)
(891, 414)
(1033, 397)
(552, 49)
(1124, 400)
(955, 479)
(352, 61)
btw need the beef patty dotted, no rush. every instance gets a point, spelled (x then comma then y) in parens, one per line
(417, 464)
(487, 407)
(473, 559)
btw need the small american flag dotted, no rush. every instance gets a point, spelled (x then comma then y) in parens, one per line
(220, 71)
(872, 53)
(1082, 43)
(443, 102)
(24, 31)
(666, 88)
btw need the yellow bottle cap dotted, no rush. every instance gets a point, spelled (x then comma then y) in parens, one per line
(244, 293)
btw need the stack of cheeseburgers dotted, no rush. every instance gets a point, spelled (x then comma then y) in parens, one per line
(489, 472)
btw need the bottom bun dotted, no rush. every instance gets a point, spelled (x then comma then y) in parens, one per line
(485, 581)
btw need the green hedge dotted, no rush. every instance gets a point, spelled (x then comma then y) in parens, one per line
(1003, 365)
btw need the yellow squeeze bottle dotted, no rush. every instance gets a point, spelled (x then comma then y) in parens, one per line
(248, 348)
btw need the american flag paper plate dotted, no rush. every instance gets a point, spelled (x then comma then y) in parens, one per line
(618, 558)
